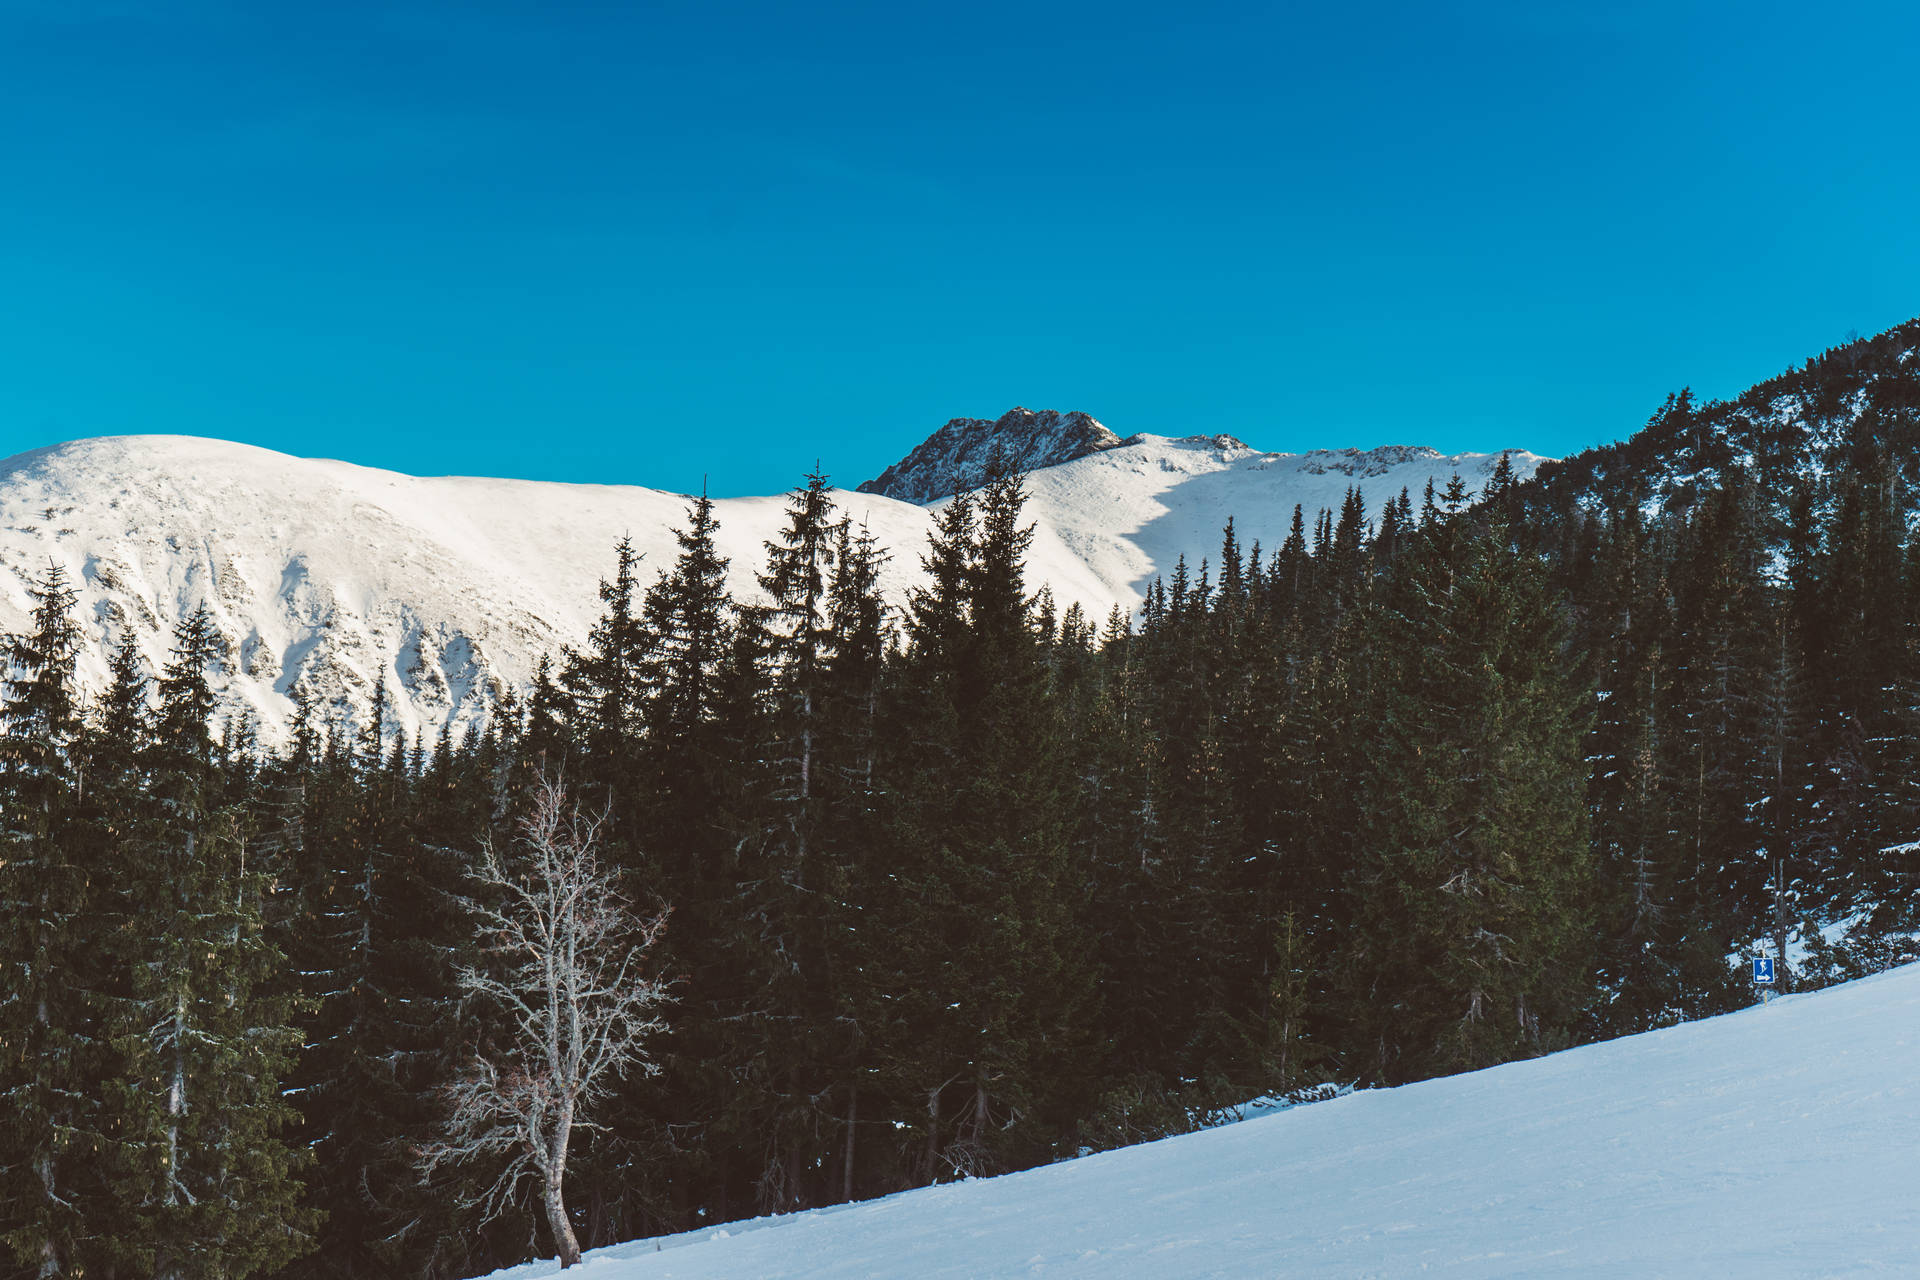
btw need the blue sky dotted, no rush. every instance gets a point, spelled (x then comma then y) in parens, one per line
(648, 243)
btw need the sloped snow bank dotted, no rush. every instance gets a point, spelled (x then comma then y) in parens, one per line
(1780, 1141)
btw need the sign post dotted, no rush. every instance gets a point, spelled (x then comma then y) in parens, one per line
(1763, 976)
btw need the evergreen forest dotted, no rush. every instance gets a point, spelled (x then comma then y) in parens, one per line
(972, 884)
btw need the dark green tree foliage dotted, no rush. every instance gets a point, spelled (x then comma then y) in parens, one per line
(1472, 871)
(544, 740)
(689, 805)
(991, 1001)
(377, 936)
(791, 1044)
(1861, 679)
(1191, 838)
(1719, 653)
(690, 623)
(203, 1182)
(51, 933)
(851, 854)
(604, 683)
(1660, 957)
(1429, 785)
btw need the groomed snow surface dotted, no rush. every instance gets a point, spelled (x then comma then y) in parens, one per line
(1783, 1140)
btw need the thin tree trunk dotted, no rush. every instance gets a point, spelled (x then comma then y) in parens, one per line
(933, 1131)
(565, 1244)
(1782, 975)
(846, 1165)
(49, 1251)
(44, 1163)
(176, 1096)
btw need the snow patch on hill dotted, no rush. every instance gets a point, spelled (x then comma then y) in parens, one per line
(336, 577)
(1774, 1142)
(1126, 515)
(446, 591)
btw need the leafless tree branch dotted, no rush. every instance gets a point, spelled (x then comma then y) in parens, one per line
(567, 954)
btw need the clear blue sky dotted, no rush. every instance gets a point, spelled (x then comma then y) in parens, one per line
(645, 243)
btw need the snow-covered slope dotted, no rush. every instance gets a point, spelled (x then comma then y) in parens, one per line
(1775, 1142)
(335, 575)
(1125, 515)
(448, 590)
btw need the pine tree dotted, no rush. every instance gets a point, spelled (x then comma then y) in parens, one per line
(376, 941)
(1857, 656)
(994, 993)
(605, 682)
(1660, 958)
(796, 581)
(853, 857)
(545, 738)
(1472, 891)
(51, 933)
(1714, 754)
(699, 708)
(205, 1181)
(786, 1045)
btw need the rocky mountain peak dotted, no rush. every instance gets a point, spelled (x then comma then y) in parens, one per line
(954, 457)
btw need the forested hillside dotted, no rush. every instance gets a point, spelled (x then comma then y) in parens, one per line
(1840, 412)
(980, 883)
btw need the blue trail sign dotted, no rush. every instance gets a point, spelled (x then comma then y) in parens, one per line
(1763, 970)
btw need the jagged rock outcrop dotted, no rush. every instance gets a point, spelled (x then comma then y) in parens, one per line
(954, 457)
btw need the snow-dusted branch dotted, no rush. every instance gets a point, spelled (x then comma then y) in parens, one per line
(567, 971)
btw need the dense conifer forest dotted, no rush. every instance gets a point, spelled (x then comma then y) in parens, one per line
(976, 884)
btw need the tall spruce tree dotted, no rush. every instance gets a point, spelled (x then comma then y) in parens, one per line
(995, 998)
(851, 855)
(1473, 879)
(52, 931)
(205, 1183)
(787, 1044)
(605, 681)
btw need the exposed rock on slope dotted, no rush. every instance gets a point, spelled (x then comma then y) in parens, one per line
(954, 457)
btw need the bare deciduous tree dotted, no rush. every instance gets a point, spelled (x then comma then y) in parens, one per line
(569, 953)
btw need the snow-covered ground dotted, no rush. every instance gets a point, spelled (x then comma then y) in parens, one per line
(1781, 1141)
(446, 591)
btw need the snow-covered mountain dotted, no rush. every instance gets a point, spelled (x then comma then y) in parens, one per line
(1772, 1143)
(448, 590)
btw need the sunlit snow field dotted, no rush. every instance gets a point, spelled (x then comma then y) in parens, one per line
(446, 591)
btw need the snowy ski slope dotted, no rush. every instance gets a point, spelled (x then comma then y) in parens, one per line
(1781, 1141)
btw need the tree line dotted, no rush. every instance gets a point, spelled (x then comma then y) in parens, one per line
(952, 889)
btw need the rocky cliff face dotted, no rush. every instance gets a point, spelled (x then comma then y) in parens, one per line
(954, 457)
